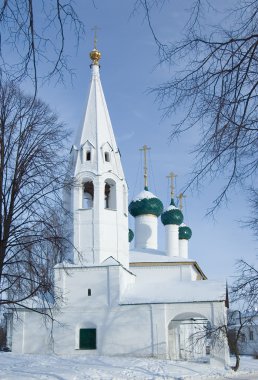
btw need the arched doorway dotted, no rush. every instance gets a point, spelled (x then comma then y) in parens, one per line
(188, 337)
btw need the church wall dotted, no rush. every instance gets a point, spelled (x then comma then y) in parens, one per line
(164, 273)
(159, 330)
(66, 332)
(128, 331)
(133, 330)
(31, 334)
(105, 284)
(125, 279)
(195, 275)
(84, 235)
(121, 330)
(78, 282)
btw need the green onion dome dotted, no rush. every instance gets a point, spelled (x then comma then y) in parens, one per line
(185, 232)
(145, 203)
(130, 235)
(172, 215)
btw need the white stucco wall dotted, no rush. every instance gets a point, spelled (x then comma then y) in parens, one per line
(32, 333)
(134, 330)
(166, 273)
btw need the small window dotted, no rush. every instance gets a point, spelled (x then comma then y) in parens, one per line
(107, 157)
(251, 335)
(243, 338)
(89, 292)
(88, 155)
(88, 339)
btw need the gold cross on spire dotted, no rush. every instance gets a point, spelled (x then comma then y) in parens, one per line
(95, 55)
(145, 149)
(180, 197)
(172, 177)
(95, 29)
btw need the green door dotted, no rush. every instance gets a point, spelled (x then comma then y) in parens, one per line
(88, 339)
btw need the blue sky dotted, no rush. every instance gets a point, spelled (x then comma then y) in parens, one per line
(128, 69)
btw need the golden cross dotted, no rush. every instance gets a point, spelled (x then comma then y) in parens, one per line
(95, 29)
(172, 177)
(180, 197)
(144, 149)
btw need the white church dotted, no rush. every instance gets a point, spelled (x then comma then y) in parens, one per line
(140, 302)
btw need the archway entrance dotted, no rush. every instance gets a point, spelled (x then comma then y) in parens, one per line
(188, 337)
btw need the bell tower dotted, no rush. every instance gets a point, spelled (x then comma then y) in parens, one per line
(99, 197)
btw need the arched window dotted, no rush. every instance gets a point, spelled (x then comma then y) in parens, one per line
(110, 194)
(88, 195)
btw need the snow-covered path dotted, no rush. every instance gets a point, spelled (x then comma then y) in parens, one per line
(52, 367)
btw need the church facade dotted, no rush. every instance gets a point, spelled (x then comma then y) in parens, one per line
(116, 301)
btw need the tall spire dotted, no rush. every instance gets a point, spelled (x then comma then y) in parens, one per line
(145, 149)
(100, 199)
(96, 132)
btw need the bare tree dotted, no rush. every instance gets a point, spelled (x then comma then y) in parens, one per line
(245, 286)
(32, 174)
(216, 86)
(233, 331)
(33, 38)
(237, 325)
(244, 296)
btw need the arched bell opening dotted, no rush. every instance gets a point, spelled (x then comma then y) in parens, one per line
(88, 195)
(110, 194)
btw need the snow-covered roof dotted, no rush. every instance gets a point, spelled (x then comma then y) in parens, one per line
(110, 261)
(171, 207)
(154, 255)
(144, 291)
(144, 195)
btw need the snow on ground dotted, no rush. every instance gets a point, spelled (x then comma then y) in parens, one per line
(52, 367)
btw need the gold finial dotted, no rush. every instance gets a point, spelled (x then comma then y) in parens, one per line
(95, 55)
(144, 149)
(172, 177)
(180, 197)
